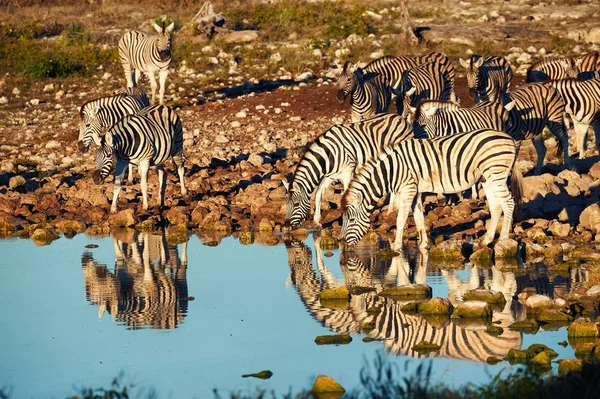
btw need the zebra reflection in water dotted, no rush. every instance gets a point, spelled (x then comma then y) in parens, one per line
(148, 287)
(399, 331)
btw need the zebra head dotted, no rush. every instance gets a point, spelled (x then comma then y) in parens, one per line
(423, 115)
(355, 217)
(404, 104)
(348, 80)
(105, 159)
(571, 68)
(298, 205)
(90, 127)
(472, 71)
(163, 40)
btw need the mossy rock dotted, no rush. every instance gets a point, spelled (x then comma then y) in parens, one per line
(519, 356)
(436, 306)
(246, 238)
(43, 236)
(482, 256)
(368, 327)
(494, 330)
(69, 227)
(407, 291)
(329, 243)
(493, 360)
(177, 234)
(553, 316)
(583, 328)
(210, 243)
(567, 366)
(424, 347)
(146, 225)
(438, 321)
(373, 310)
(7, 227)
(326, 384)
(449, 249)
(505, 248)
(473, 309)
(358, 290)
(335, 303)
(300, 234)
(539, 348)
(526, 326)
(263, 375)
(410, 308)
(335, 293)
(588, 351)
(541, 360)
(338, 339)
(387, 254)
(495, 297)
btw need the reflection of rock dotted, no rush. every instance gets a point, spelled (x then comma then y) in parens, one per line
(148, 286)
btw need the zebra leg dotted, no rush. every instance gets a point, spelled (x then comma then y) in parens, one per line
(420, 222)
(405, 199)
(161, 184)
(178, 160)
(391, 205)
(129, 74)
(561, 135)
(143, 167)
(596, 127)
(162, 78)
(581, 130)
(153, 86)
(540, 149)
(130, 176)
(320, 190)
(507, 203)
(119, 174)
(495, 212)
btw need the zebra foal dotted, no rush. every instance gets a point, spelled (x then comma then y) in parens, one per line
(445, 165)
(146, 139)
(141, 52)
(334, 155)
(487, 77)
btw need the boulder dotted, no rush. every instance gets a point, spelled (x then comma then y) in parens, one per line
(178, 215)
(527, 326)
(593, 36)
(326, 384)
(424, 347)
(472, 309)
(435, 306)
(559, 229)
(487, 296)
(339, 339)
(590, 218)
(594, 291)
(553, 316)
(124, 218)
(408, 291)
(506, 248)
(567, 366)
(449, 249)
(41, 236)
(335, 293)
(537, 303)
(583, 328)
(482, 256)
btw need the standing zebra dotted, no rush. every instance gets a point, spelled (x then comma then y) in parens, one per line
(444, 165)
(423, 82)
(582, 105)
(550, 68)
(538, 105)
(141, 52)
(487, 77)
(335, 154)
(588, 65)
(368, 97)
(146, 139)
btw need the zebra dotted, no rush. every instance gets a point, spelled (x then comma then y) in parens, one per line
(551, 68)
(335, 154)
(423, 82)
(368, 97)
(145, 139)
(444, 165)
(582, 105)
(98, 115)
(393, 68)
(538, 105)
(588, 65)
(487, 77)
(141, 52)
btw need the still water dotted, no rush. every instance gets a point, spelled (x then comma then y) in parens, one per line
(72, 316)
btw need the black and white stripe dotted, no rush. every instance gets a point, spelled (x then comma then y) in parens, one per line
(487, 77)
(582, 105)
(146, 139)
(444, 165)
(588, 65)
(426, 81)
(334, 155)
(536, 106)
(369, 96)
(551, 68)
(151, 54)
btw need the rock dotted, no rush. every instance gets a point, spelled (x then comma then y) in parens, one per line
(595, 290)
(559, 229)
(583, 328)
(48, 87)
(263, 375)
(178, 215)
(408, 291)
(449, 249)
(339, 339)
(541, 359)
(335, 293)
(537, 303)
(590, 218)
(16, 181)
(326, 384)
(410, 308)
(487, 296)
(424, 347)
(506, 248)
(255, 160)
(472, 309)
(493, 360)
(53, 144)
(436, 306)
(482, 256)
(553, 316)
(595, 171)
(462, 210)
(240, 36)
(567, 366)
(593, 36)
(494, 330)
(527, 325)
(533, 250)
(41, 236)
(124, 218)
(3, 100)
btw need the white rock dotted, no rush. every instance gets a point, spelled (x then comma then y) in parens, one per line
(376, 54)
(276, 57)
(34, 101)
(52, 144)
(3, 100)
(213, 60)
(537, 301)
(354, 39)
(221, 139)
(295, 119)
(595, 290)
(106, 76)
(304, 77)
(317, 52)
(235, 124)
(532, 50)
(241, 114)
(48, 87)
(16, 181)
(524, 58)
(16, 91)
(255, 160)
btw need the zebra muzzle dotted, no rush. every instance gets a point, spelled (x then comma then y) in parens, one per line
(82, 147)
(164, 55)
(341, 96)
(98, 179)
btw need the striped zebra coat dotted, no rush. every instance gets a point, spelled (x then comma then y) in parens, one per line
(423, 82)
(582, 105)
(551, 68)
(369, 96)
(538, 105)
(334, 155)
(588, 65)
(444, 165)
(487, 78)
(151, 54)
(146, 139)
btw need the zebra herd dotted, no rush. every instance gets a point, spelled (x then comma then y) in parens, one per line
(433, 144)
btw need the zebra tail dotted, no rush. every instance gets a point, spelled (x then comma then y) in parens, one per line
(559, 148)
(516, 189)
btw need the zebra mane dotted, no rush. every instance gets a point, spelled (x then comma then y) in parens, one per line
(85, 104)
(448, 106)
(550, 59)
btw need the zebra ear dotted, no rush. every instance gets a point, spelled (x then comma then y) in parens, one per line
(411, 91)
(478, 63)
(429, 111)
(465, 64)
(347, 66)
(170, 27)
(358, 199)
(157, 28)
(108, 139)
(286, 185)
(509, 106)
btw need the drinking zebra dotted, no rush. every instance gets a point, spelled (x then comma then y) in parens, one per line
(145, 139)
(582, 105)
(487, 78)
(334, 155)
(368, 96)
(423, 82)
(444, 165)
(550, 68)
(141, 52)
(538, 105)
